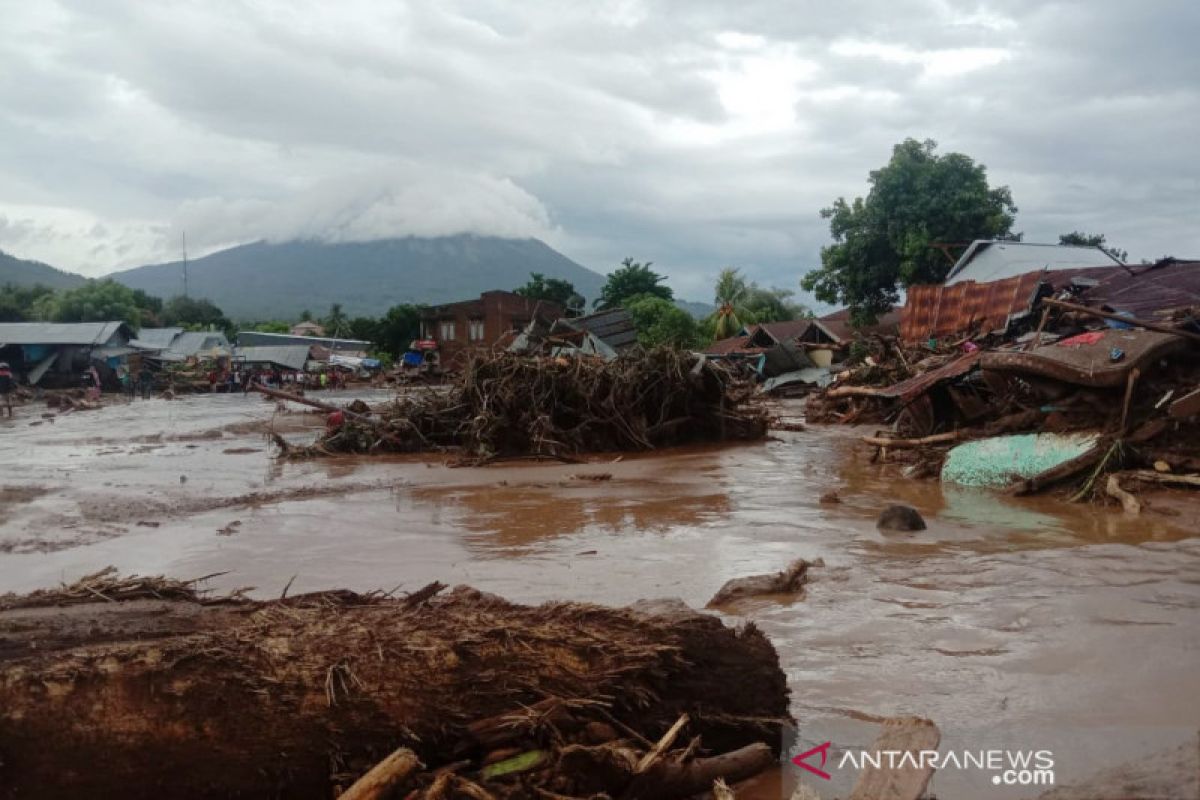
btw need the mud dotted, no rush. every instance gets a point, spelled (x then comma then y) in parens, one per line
(1070, 627)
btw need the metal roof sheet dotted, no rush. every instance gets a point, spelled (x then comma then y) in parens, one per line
(196, 343)
(986, 260)
(260, 339)
(75, 333)
(156, 338)
(291, 356)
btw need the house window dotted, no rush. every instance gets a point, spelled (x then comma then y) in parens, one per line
(475, 330)
(446, 330)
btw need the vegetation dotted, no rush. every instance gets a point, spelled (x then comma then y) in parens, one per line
(190, 312)
(17, 303)
(886, 240)
(1080, 239)
(661, 322)
(632, 279)
(740, 303)
(555, 290)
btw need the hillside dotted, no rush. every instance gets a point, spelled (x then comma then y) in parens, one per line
(20, 272)
(266, 280)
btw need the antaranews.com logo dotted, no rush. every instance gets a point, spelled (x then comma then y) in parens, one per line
(1007, 767)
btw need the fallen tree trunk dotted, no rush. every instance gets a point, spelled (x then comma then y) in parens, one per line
(153, 698)
(937, 438)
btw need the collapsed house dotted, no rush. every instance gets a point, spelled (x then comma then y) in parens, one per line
(604, 334)
(1058, 369)
(176, 345)
(54, 354)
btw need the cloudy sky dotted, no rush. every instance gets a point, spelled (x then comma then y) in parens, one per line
(693, 133)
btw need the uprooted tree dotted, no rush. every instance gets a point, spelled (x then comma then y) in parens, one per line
(886, 240)
(141, 688)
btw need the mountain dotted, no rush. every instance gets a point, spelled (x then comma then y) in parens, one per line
(280, 280)
(20, 272)
(696, 309)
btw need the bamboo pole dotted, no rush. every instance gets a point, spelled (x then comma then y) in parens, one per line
(1150, 326)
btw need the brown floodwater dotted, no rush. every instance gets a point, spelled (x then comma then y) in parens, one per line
(1020, 624)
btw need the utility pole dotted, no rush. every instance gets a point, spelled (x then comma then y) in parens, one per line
(185, 286)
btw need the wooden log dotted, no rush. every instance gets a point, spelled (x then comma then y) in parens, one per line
(1065, 470)
(1186, 406)
(853, 391)
(1150, 326)
(924, 441)
(1128, 501)
(907, 735)
(1165, 478)
(661, 746)
(384, 777)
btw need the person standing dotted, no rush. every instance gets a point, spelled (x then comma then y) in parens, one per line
(7, 384)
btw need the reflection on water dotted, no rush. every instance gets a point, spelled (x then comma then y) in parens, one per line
(1023, 618)
(503, 519)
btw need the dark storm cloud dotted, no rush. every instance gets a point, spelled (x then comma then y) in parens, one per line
(693, 133)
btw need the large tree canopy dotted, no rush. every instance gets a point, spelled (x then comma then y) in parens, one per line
(632, 279)
(885, 240)
(555, 290)
(100, 301)
(192, 312)
(661, 322)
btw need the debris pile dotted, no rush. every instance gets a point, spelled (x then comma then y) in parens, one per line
(505, 405)
(1096, 377)
(472, 696)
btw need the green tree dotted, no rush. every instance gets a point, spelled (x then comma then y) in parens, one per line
(398, 328)
(555, 290)
(336, 321)
(730, 296)
(306, 316)
(1080, 239)
(885, 240)
(270, 326)
(190, 312)
(661, 322)
(365, 328)
(99, 301)
(774, 305)
(17, 303)
(632, 279)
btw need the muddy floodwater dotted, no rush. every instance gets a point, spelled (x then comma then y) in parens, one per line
(1018, 624)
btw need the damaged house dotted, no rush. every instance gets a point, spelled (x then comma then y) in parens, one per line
(55, 354)
(454, 330)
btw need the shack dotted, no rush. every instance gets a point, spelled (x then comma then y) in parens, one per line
(481, 324)
(293, 357)
(55, 354)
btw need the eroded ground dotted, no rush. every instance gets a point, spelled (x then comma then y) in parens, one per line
(1030, 624)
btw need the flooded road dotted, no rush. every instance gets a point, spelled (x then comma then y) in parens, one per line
(1028, 624)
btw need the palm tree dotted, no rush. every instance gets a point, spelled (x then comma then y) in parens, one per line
(336, 322)
(731, 293)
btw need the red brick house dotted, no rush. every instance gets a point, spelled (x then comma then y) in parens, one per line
(459, 328)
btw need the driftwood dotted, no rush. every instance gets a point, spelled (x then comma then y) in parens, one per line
(384, 777)
(902, 734)
(296, 696)
(786, 581)
(1065, 470)
(1150, 326)
(1165, 478)
(1128, 501)
(504, 405)
(924, 441)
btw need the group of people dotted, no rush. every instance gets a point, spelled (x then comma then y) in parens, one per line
(134, 379)
(235, 380)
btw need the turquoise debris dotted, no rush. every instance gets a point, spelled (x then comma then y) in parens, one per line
(1004, 459)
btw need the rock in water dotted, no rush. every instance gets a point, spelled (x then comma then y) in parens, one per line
(900, 518)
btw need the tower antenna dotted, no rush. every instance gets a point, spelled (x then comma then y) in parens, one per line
(185, 286)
